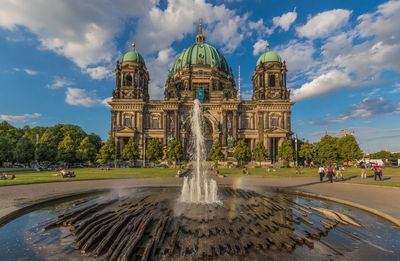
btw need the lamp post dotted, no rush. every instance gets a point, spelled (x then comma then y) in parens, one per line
(144, 150)
(295, 146)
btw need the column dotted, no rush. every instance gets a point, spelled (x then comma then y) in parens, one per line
(165, 125)
(223, 128)
(176, 124)
(260, 126)
(234, 125)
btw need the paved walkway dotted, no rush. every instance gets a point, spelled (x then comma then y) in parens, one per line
(384, 199)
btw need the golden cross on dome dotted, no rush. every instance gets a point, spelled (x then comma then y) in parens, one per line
(133, 45)
(268, 46)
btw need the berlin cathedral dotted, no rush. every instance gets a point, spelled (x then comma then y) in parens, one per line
(202, 72)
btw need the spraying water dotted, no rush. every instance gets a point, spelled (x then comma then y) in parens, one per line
(200, 188)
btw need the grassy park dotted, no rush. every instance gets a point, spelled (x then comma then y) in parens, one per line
(24, 177)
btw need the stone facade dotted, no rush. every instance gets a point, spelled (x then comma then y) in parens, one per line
(227, 118)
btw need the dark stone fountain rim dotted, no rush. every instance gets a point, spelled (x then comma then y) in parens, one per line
(49, 201)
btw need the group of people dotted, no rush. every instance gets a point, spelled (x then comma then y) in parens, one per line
(330, 172)
(5, 177)
(65, 173)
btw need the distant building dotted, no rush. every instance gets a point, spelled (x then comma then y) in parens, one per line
(202, 72)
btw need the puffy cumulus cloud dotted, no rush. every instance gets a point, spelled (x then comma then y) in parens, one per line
(366, 108)
(298, 55)
(259, 47)
(99, 72)
(323, 84)
(59, 82)
(19, 118)
(79, 97)
(83, 32)
(285, 21)
(323, 24)
(159, 28)
(106, 101)
(158, 69)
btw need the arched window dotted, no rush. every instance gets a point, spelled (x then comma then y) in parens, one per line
(274, 122)
(127, 122)
(128, 80)
(136, 79)
(154, 123)
(272, 80)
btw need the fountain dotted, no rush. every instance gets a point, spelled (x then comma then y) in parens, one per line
(169, 223)
(199, 188)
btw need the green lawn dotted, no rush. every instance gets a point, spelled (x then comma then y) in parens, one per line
(89, 173)
(92, 173)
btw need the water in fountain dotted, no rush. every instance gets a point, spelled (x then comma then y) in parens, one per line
(199, 188)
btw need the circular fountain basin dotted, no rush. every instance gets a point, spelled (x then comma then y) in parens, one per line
(154, 224)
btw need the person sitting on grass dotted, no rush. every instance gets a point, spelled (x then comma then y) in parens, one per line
(4, 176)
(13, 177)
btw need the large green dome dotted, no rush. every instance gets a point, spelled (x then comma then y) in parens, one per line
(200, 53)
(133, 56)
(269, 56)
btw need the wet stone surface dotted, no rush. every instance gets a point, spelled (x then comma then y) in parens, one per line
(151, 224)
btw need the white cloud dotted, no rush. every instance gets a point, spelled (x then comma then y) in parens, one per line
(59, 83)
(99, 72)
(106, 101)
(30, 72)
(285, 21)
(159, 28)
(158, 69)
(79, 97)
(84, 32)
(323, 24)
(19, 118)
(323, 84)
(259, 47)
(396, 89)
(298, 55)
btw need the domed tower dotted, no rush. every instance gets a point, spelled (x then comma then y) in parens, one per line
(200, 72)
(269, 78)
(132, 78)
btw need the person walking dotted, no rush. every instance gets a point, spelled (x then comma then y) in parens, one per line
(377, 172)
(363, 171)
(330, 173)
(337, 167)
(321, 172)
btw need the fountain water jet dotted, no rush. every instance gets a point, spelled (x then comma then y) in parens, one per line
(199, 188)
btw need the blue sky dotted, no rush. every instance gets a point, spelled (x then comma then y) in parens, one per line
(57, 58)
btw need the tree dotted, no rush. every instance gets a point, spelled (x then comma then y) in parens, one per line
(6, 153)
(381, 155)
(216, 153)
(131, 151)
(327, 150)
(242, 151)
(107, 151)
(95, 140)
(24, 150)
(307, 151)
(66, 150)
(286, 151)
(175, 151)
(86, 151)
(259, 152)
(154, 150)
(349, 149)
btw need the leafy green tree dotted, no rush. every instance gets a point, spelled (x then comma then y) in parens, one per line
(242, 151)
(66, 150)
(381, 155)
(11, 133)
(107, 151)
(154, 150)
(216, 153)
(86, 151)
(24, 151)
(259, 152)
(31, 133)
(175, 151)
(95, 140)
(307, 151)
(6, 153)
(349, 149)
(286, 151)
(327, 150)
(131, 151)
